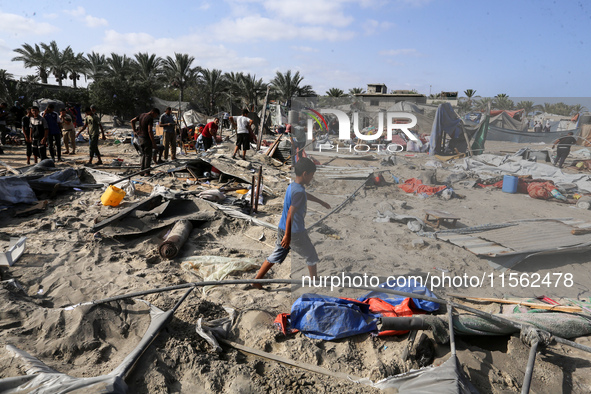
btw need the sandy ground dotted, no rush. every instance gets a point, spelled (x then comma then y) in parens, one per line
(66, 263)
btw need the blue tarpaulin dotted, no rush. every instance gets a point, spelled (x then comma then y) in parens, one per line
(328, 318)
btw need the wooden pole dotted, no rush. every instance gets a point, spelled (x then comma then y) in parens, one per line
(256, 197)
(263, 113)
(252, 187)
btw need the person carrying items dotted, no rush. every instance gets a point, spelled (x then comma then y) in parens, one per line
(292, 233)
(563, 148)
(209, 133)
(93, 123)
(243, 129)
(145, 137)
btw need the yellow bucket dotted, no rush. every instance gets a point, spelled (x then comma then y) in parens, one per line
(112, 196)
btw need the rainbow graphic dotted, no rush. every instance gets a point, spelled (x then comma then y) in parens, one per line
(317, 117)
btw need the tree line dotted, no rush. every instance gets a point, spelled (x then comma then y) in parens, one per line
(122, 85)
(502, 102)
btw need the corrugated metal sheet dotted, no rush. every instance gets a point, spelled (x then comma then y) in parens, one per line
(528, 237)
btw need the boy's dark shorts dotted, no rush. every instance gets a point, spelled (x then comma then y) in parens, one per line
(243, 141)
(300, 243)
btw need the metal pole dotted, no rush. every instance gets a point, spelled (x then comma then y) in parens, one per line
(529, 371)
(452, 338)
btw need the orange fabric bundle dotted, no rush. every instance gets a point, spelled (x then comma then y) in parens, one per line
(414, 185)
(540, 190)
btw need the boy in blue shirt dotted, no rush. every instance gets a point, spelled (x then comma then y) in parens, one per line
(292, 231)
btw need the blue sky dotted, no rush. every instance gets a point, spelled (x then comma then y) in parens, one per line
(522, 48)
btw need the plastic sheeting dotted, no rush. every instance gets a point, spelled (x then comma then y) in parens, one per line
(329, 318)
(499, 165)
(445, 379)
(216, 267)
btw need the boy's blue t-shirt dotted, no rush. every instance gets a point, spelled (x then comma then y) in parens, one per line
(295, 196)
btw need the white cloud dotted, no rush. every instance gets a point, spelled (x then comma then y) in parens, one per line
(313, 12)
(89, 20)
(400, 52)
(371, 26)
(206, 54)
(304, 49)
(78, 12)
(50, 16)
(256, 27)
(92, 21)
(204, 6)
(19, 25)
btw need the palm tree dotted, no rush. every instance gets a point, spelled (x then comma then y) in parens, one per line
(253, 89)
(149, 67)
(527, 105)
(95, 65)
(5, 76)
(178, 71)
(58, 61)
(502, 101)
(120, 67)
(76, 67)
(213, 85)
(354, 91)
(483, 103)
(33, 57)
(335, 92)
(577, 108)
(286, 86)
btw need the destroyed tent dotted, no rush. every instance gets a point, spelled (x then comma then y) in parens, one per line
(43, 103)
(175, 105)
(446, 124)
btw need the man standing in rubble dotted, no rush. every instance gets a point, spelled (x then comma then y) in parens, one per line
(243, 129)
(38, 134)
(55, 132)
(145, 136)
(563, 148)
(169, 125)
(93, 123)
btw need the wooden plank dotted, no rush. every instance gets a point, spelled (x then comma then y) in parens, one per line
(560, 308)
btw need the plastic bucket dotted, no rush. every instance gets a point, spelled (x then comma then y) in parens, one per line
(510, 184)
(112, 196)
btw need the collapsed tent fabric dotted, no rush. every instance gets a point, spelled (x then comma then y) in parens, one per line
(446, 121)
(499, 165)
(480, 137)
(15, 190)
(329, 318)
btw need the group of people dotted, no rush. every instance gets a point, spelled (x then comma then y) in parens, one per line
(539, 128)
(48, 129)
